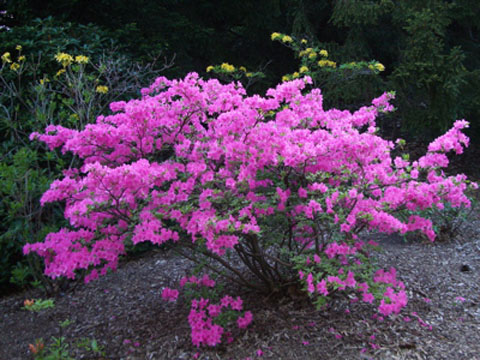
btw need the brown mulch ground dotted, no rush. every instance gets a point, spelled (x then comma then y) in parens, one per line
(126, 314)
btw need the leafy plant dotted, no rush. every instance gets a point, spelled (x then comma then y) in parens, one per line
(38, 304)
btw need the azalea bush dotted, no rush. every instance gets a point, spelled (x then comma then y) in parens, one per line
(267, 192)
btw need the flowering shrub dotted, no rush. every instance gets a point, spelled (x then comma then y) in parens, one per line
(346, 82)
(270, 190)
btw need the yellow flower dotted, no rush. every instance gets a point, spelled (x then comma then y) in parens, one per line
(303, 69)
(312, 55)
(379, 67)
(15, 66)
(295, 74)
(285, 78)
(275, 35)
(243, 68)
(18, 47)
(21, 58)
(101, 89)
(209, 68)
(248, 74)
(6, 58)
(303, 41)
(44, 80)
(324, 53)
(227, 67)
(64, 59)
(81, 59)
(287, 39)
(301, 53)
(308, 50)
(329, 63)
(60, 72)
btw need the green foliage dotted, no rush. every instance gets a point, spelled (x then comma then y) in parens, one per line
(43, 37)
(229, 73)
(58, 348)
(38, 304)
(349, 85)
(49, 87)
(430, 54)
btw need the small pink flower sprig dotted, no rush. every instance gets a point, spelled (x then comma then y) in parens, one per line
(209, 318)
(346, 268)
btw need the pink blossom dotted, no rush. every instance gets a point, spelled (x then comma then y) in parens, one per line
(244, 321)
(170, 294)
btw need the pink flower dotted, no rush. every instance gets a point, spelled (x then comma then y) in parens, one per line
(170, 294)
(244, 321)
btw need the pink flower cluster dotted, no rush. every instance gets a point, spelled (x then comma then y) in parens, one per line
(170, 294)
(203, 313)
(205, 280)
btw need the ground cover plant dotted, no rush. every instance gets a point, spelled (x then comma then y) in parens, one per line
(268, 192)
